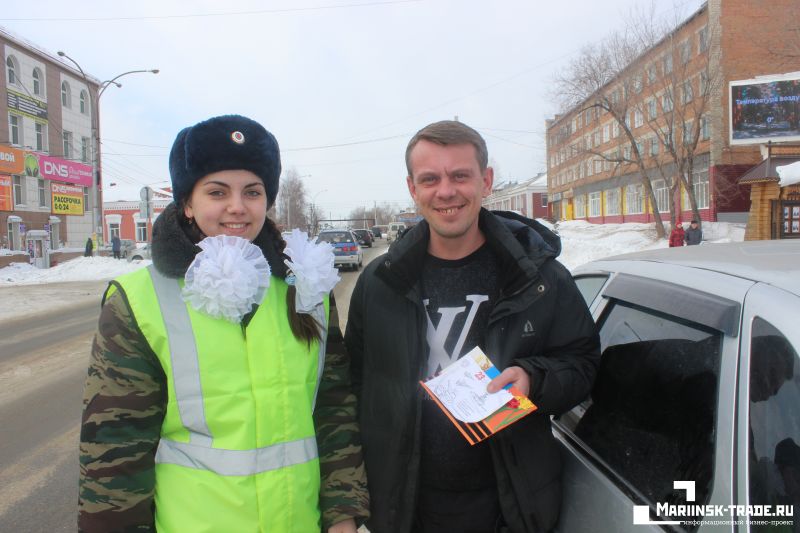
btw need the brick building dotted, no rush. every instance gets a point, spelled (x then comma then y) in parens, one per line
(124, 219)
(529, 197)
(46, 159)
(672, 95)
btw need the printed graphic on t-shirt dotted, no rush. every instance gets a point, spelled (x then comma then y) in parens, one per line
(450, 326)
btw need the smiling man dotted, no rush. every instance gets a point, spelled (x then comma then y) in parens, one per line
(464, 277)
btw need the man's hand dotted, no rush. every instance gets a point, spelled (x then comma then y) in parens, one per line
(514, 375)
(345, 526)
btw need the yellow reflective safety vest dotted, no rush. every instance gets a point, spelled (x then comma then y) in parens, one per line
(238, 449)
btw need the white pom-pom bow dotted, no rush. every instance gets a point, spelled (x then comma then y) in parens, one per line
(312, 266)
(226, 278)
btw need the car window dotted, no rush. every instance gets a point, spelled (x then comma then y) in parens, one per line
(335, 237)
(774, 435)
(590, 286)
(651, 415)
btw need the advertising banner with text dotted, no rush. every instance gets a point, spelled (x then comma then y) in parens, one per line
(67, 199)
(6, 192)
(12, 161)
(53, 168)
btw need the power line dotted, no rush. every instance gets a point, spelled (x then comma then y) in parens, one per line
(204, 15)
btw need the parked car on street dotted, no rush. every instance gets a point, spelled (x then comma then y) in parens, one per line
(140, 253)
(126, 247)
(365, 237)
(376, 232)
(346, 250)
(699, 383)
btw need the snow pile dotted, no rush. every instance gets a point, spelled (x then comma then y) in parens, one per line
(582, 242)
(79, 269)
(789, 174)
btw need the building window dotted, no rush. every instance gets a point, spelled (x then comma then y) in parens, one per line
(662, 195)
(686, 93)
(84, 106)
(651, 74)
(685, 51)
(626, 153)
(667, 64)
(652, 109)
(700, 186)
(705, 129)
(668, 140)
(637, 83)
(86, 205)
(606, 133)
(703, 84)
(85, 151)
(633, 199)
(67, 138)
(18, 191)
(13, 70)
(688, 132)
(612, 202)
(141, 231)
(638, 119)
(596, 138)
(595, 204)
(41, 136)
(37, 82)
(615, 129)
(113, 230)
(666, 101)
(654, 146)
(66, 95)
(42, 193)
(15, 129)
(544, 200)
(702, 40)
(580, 206)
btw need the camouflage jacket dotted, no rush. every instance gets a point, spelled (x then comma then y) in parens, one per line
(124, 405)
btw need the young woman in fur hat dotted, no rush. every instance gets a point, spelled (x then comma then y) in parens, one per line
(217, 397)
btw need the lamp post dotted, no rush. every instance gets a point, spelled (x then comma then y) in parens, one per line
(94, 121)
(314, 211)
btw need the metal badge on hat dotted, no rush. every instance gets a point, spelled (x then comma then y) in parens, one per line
(237, 137)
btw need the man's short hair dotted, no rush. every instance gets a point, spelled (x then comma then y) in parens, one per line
(447, 132)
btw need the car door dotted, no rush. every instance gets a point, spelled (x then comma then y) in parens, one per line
(668, 355)
(768, 414)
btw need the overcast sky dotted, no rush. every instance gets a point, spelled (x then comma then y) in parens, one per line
(343, 84)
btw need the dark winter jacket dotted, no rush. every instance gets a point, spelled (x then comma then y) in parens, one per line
(694, 236)
(540, 323)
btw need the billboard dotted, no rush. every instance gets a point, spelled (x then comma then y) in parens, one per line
(67, 199)
(765, 109)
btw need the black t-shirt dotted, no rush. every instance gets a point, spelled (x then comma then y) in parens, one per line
(457, 490)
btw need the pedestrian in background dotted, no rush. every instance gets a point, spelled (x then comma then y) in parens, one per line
(116, 244)
(218, 397)
(87, 252)
(676, 235)
(694, 235)
(461, 278)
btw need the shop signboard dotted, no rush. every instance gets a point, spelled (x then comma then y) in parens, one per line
(12, 160)
(765, 109)
(25, 105)
(67, 199)
(56, 169)
(6, 194)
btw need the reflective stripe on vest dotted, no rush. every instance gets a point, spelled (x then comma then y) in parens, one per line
(198, 453)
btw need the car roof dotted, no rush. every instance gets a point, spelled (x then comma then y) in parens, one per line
(774, 262)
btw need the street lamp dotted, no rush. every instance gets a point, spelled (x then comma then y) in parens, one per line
(94, 106)
(314, 211)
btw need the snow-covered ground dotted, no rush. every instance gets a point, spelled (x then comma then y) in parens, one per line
(581, 242)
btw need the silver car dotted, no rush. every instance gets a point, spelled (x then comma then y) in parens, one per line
(693, 423)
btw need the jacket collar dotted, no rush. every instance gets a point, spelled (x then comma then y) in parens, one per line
(173, 250)
(521, 246)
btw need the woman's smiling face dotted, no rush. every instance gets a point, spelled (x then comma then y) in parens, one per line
(228, 202)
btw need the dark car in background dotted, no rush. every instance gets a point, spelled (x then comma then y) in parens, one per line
(376, 232)
(365, 237)
(695, 404)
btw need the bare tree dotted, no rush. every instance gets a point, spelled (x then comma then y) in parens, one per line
(656, 93)
(292, 201)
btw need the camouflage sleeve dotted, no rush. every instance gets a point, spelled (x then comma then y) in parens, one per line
(343, 493)
(124, 402)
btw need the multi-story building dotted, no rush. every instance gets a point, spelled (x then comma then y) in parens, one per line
(47, 157)
(672, 97)
(124, 218)
(528, 198)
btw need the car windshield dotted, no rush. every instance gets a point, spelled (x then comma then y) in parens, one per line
(335, 237)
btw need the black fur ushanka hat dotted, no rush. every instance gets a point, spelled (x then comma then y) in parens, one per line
(228, 142)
